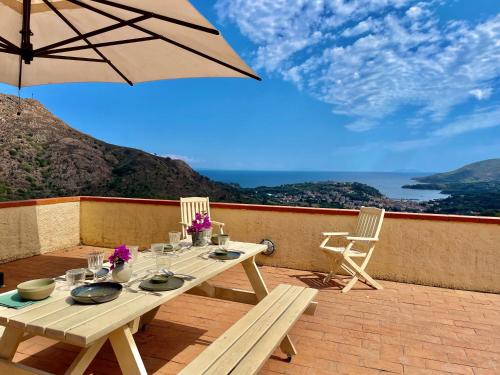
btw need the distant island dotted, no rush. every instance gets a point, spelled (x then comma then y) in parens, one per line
(41, 156)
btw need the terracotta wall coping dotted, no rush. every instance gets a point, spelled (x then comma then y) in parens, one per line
(38, 202)
(257, 207)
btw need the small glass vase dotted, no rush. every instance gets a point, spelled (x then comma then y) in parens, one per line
(200, 238)
(122, 272)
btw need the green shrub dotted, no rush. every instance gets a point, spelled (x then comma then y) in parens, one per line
(26, 167)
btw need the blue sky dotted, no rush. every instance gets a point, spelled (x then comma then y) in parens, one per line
(359, 85)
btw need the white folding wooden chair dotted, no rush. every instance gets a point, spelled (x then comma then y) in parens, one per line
(190, 206)
(367, 231)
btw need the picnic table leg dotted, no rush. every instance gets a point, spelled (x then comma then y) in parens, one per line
(261, 291)
(126, 352)
(85, 357)
(9, 342)
(148, 318)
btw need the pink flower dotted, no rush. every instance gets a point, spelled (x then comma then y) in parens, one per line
(120, 255)
(200, 223)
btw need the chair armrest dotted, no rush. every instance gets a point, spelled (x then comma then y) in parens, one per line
(332, 234)
(361, 239)
(218, 223)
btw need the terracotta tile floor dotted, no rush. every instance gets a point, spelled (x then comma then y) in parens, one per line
(404, 328)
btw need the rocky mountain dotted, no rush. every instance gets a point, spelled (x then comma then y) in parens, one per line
(41, 156)
(481, 171)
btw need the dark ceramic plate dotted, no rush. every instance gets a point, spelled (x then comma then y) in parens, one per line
(225, 256)
(170, 283)
(103, 272)
(96, 293)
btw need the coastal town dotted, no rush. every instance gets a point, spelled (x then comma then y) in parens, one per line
(349, 195)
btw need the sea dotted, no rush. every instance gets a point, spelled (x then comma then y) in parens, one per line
(388, 183)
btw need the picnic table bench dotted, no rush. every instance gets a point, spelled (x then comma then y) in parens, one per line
(244, 348)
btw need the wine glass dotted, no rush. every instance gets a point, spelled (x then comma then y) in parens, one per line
(95, 260)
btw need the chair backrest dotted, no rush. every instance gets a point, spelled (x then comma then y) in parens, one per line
(369, 222)
(190, 206)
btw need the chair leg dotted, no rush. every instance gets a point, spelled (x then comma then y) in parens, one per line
(370, 280)
(334, 266)
(328, 277)
(360, 272)
(363, 273)
(350, 284)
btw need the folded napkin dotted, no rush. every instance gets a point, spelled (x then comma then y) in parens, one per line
(14, 300)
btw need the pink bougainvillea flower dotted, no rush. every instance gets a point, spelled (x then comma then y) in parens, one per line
(121, 255)
(200, 223)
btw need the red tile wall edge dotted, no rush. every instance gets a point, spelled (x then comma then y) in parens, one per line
(38, 202)
(257, 207)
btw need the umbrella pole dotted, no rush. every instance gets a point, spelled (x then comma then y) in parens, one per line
(26, 46)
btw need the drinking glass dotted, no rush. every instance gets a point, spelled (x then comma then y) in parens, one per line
(164, 261)
(95, 260)
(174, 238)
(155, 247)
(223, 241)
(74, 277)
(134, 251)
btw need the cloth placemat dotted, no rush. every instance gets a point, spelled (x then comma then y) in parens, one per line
(14, 300)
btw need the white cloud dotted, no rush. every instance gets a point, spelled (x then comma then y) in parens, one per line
(361, 28)
(361, 125)
(480, 119)
(481, 94)
(414, 12)
(370, 59)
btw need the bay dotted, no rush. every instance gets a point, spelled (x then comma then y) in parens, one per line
(388, 183)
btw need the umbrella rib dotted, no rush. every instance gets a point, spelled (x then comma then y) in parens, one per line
(158, 16)
(168, 40)
(103, 30)
(7, 43)
(75, 58)
(97, 45)
(9, 51)
(101, 55)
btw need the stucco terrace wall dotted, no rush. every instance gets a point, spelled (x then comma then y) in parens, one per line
(440, 250)
(37, 226)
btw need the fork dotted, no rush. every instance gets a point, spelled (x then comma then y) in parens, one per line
(144, 291)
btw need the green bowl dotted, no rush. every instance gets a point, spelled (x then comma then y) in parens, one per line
(159, 279)
(36, 290)
(215, 238)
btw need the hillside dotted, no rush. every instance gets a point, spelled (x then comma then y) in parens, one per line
(41, 156)
(473, 189)
(481, 171)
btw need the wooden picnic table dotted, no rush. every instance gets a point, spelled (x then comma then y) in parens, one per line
(90, 326)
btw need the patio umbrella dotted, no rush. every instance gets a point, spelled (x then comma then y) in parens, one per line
(55, 41)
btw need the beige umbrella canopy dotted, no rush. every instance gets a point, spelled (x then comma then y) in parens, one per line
(55, 41)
